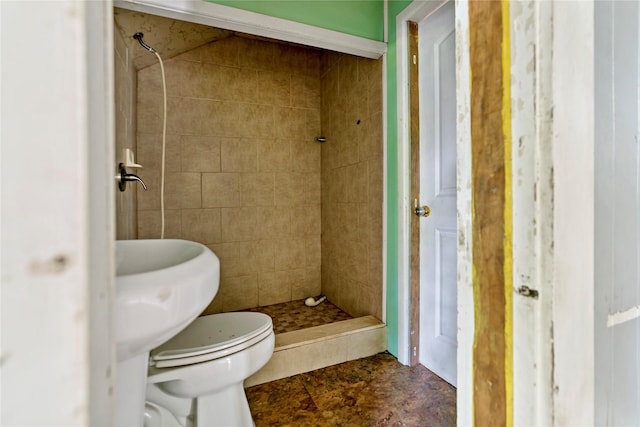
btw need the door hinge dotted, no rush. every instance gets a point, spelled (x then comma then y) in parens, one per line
(526, 291)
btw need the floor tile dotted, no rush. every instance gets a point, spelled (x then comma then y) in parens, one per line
(294, 315)
(373, 391)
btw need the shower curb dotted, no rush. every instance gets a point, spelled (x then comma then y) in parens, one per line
(313, 348)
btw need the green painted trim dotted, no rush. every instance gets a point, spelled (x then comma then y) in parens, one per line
(395, 7)
(363, 18)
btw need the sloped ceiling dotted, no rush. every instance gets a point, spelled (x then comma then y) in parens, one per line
(169, 37)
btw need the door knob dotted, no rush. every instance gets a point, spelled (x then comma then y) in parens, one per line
(423, 210)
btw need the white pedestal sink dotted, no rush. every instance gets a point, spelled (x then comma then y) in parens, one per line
(161, 287)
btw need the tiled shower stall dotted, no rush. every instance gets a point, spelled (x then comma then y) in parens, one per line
(289, 217)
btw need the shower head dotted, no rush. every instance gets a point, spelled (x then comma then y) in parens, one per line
(138, 36)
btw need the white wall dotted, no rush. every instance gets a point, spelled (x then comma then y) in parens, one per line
(532, 192)
(617, 210)
(57, 209)
(572, 80)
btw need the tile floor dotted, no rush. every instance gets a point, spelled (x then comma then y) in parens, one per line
(294, 315)
(374, 391)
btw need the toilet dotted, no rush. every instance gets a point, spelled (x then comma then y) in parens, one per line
(196, 378)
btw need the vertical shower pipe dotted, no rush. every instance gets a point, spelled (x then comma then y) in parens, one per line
(138, 36)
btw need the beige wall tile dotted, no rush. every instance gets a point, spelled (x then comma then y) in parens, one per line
(222, 52)
(264, 255)
(149, 152)
(371, 143)
(256, 54)
(239, 293)
(290, 254)
(215, 306)
(290, 122)
(220, 190)
(357, 176)
(314, 126)
(312, 188)
(313, 252)
(149, 199)
(305, 156)
(351, 183)
(229, 254)
(312, 64)
(356, 101)
(348, 71)
(352, 292)
(182, 190)
(359, 251)
(149, 118)
(150, 100)
(246, 177)
(151, 78)
(274, 88)
(239, 224)
(306, 220)
(256, 121)
(274, 222)
(200, 154)
(374, 96)
(274, 287)
(195, 116)
(239, 155)
(375, 182)
(274, 155)
(194, 55)
(237, 119)
(329, 87)
(305, 91)
(213, 82)
(257, 189)
(350, 151)
(283, 58)
(177, 72)
(339, 185)
(149, 224)
(238, 84)
(201, 225)
(364, 301)
(290, 189)
(309, 285)
(237, 258)
(242, 258)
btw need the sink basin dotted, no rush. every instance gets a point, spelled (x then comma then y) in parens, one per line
(161, 287)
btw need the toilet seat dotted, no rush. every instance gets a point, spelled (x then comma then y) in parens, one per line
(212, 337)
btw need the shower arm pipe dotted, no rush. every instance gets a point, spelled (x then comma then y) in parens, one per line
(138, 36)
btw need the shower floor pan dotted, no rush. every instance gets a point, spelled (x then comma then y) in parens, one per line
(309, 338)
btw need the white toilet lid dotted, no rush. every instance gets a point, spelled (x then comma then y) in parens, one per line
(214, 333)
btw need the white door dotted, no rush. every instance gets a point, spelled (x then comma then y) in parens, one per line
(438, 237)
(617, 213)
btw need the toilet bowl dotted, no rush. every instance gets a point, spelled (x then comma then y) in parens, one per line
(198, 375)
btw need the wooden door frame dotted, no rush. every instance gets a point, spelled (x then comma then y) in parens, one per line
(552, 181)
(414, 141)
(415, 12)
